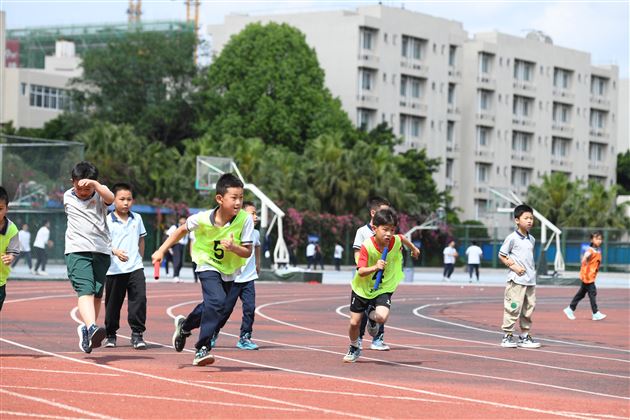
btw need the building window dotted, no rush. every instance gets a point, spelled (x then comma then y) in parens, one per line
(521, 142)
(521, 177)
(596, 152)
(485, 63)
(452, 53)
(412, 47)
(522, 106)
(450, 132)
(485, 99)
(483, 171)
(561, 113)
(410, 126)
(562, 78)
(524, 70)
(598, 85)
(367, 78)
(449, 169)
(560, 147)
(368, 38)
(481, 208)
(598, 119)
(365, 118)
(411, 86)
(483, 136)
(48, 97)
(451, 93)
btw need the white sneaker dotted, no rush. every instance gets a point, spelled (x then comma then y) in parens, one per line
(598, 316)
(42, 273)
(569, 313)
(33, 271)
(176, 280)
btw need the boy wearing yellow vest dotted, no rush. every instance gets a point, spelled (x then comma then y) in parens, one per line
(588, 272)
(223, 242)
(9, 243)
(364, 298)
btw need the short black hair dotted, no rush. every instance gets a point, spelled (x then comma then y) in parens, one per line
(374, 203)
(84, 170)
(228, 180)
(4, 195)
(386, 216)
(522, 208)
(474, 242)
(248, 204)
(122, 186)
(596, 233)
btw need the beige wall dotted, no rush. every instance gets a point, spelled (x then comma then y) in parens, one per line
(2, 66)
(623, 125)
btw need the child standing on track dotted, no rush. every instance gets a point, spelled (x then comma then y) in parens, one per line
(126, 271)
(223, 242)
(88, 248)
(450, 257)
(588, 272)
(364, 299)
(244, 289)
(517, 253)
(364, 232)
(9, 243)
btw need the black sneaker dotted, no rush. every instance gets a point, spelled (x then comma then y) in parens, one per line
(137, 342)
(179, 336)
(110, 341)
(97, 335)
(203, 357)
(84, 339)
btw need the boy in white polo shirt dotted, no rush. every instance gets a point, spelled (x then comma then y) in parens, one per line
(517, 253)
(126, 272)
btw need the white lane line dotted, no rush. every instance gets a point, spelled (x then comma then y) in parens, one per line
(520, 381)
(155, 397)
(169, 311)
(65, 372)
(54, 404)
(417, 310)
(339, 311)
(181, 382)
(39, 416)
(322, 391)
(39, 298)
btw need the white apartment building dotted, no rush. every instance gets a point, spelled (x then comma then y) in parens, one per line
(31, 97)
(499, 111)
(533, 108)
(623, 127)
(2, 60)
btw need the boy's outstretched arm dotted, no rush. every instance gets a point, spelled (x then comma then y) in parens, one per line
(179, 233)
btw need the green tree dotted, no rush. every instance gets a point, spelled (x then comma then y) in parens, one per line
(267, 84)
(623, 172)
(143, 79)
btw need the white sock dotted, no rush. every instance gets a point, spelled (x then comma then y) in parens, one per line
(355, 343)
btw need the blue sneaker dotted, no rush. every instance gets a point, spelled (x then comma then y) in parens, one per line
(379, 344)
(203, 357)
(84, 339)
(97, 335)
(213, 340)
(246, 343)
(352, 355)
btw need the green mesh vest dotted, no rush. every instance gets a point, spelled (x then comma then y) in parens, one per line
(364, 286)
(207, 249)
(12, 230)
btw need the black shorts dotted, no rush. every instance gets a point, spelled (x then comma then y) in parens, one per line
(359, 304)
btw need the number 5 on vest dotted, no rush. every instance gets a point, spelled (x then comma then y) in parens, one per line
(218, 251)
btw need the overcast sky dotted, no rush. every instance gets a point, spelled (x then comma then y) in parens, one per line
(598, 27)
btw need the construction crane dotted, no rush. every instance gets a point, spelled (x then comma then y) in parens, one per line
(195, 4)
(134, 11)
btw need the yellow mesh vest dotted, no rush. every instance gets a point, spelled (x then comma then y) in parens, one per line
(363, 286)
(207, 249)
(12, 230)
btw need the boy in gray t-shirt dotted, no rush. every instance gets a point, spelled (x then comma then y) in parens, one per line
(517, 253)
(88, 248)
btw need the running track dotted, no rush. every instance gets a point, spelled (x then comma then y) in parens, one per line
(445, 361)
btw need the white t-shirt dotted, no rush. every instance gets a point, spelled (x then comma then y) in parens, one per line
(25, 240)
(338, 251)
(474, 254)
(449, 255)
(41, 239)
(172, 229)
(310, 250)
(249, 272)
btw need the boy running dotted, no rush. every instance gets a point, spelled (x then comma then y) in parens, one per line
(9, 244)
(364, 298)
(126, 272)
(223, 242)
(88, 248)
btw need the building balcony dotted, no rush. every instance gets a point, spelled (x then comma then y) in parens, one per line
(367, 98)
(367, 59)
(599, 134)
(481, 190)
(451, 109)
(417, 67)
(523, 157)
(523, 121)
(520, 190)
(562, 93)
(486, 81)
(454, 74)
(524, 86)
(485, 116)
(451, 184)
(600, 102)
(414, 104)
(597, 166)
(561, 128)
(561, 163)
(452, 147)
(484, 154)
